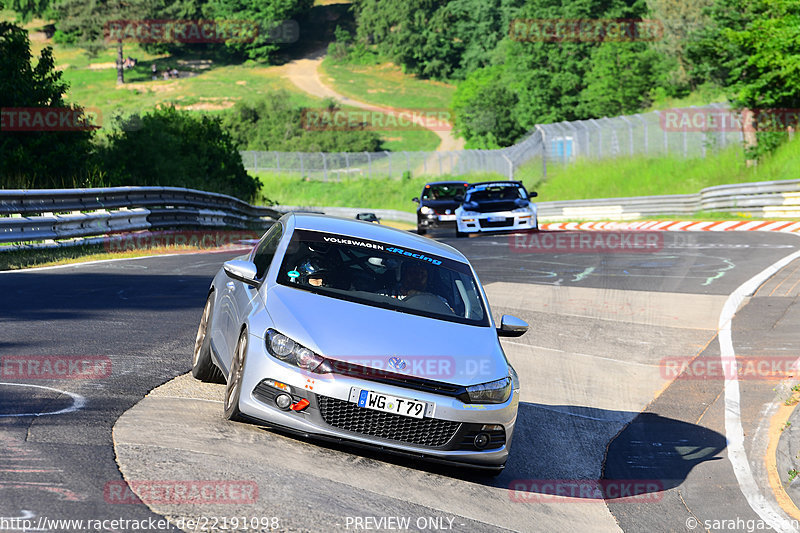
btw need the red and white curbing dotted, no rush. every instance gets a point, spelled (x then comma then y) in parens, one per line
(677, 225)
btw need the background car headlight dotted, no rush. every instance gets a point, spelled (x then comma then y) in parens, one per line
(469, 213)
(425, 210)
(523, 210)
(492, 392)
(286, 349)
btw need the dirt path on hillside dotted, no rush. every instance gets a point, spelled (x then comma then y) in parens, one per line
(304, 73)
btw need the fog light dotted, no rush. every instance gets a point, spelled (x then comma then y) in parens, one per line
(283, 401)
(481, 440)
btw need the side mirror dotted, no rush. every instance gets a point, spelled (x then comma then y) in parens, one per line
(534, 194)
(511, 326)
(241, 270)
(415, 199)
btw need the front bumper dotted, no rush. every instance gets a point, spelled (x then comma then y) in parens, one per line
(504, 221)
(445, 436)
(436, 220)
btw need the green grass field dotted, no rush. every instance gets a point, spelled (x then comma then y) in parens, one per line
(386, 85)
(640, 176)
(373, 193)
(207, 85)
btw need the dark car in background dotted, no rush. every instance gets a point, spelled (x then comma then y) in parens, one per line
(438, 203)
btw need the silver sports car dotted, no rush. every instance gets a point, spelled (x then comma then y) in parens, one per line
(350, 331)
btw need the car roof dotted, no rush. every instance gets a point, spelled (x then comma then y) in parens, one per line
(367, 230)
(447, 183)
(496, 182)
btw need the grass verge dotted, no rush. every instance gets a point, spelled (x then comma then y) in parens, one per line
(370, 193)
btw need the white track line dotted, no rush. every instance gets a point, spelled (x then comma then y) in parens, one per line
(768, 510)
(78, 401)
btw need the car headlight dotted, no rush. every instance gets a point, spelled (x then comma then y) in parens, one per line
(523, 210)
(469, 213)
(425, 210)
(493, 392)
(282, 347)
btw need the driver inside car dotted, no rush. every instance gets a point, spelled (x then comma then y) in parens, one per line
(414, 281)
(320, 272)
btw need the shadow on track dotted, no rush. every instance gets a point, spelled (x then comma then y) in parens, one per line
(555, 446)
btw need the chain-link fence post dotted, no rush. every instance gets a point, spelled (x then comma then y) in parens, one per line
(599, 137)
(630, 134)
(644, 132)
(544, 151)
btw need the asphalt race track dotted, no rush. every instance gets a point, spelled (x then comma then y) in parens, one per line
(599, 400)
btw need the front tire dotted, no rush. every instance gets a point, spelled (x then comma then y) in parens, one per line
(203, 368)
(233, 389)
(421, 230)
(460, 234)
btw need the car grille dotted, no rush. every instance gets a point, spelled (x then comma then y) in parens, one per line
(509, 221)
(399, 380)
(420, 431)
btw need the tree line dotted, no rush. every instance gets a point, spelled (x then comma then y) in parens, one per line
(514, 71)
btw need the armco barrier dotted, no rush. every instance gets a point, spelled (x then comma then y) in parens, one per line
(768, 199)
(54, 215)
(58, 217)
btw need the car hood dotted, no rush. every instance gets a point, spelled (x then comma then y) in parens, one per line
(370, 336)
(494, 206)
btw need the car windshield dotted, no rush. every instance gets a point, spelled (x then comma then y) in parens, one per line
(496, 193)
(443, 192)
(382, 275)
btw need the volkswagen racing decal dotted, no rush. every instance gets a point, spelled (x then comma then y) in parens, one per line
(365, 244)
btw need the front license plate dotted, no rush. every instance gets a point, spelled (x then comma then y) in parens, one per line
(497, 219)
(446, 218)
(391, 404)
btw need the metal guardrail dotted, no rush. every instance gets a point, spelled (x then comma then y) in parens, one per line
(767, 199)
(60, 217)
